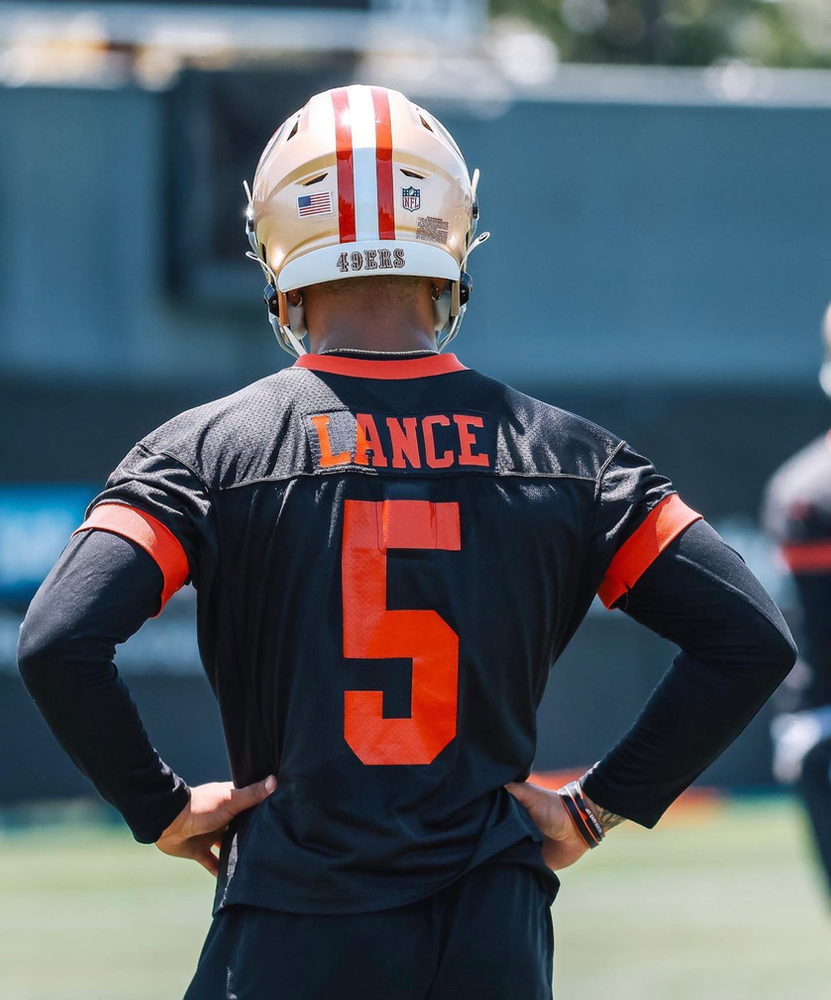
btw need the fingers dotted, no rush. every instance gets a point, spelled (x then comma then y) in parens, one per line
(211, 808)
(545, 808)
(199, 849)
(244, 798)
(239, 799)
(527, 794)
(209, 861)
(203, 851)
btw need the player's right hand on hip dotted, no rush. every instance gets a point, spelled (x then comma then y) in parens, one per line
(199, 827)
(563, 845)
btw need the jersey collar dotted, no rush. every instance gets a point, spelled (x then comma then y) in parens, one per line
(433, 364)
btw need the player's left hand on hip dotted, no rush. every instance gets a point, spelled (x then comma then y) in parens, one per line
(199, 827)
(563, 845)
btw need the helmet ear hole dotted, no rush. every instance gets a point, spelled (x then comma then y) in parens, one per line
(455, 298)
(465, 288)
(270, 297)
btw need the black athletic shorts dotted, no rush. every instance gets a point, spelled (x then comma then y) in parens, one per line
(487, 936)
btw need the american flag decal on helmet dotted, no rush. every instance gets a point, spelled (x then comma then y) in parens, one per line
(319, 203)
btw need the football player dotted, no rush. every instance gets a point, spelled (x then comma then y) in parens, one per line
(389, 551)
(797, 515)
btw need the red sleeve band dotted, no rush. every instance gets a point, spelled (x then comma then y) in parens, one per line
(147, 531)
(663, 524)
(807, 557)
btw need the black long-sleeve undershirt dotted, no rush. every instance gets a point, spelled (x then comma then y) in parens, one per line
(735, 647)
(102, 589)
(735, 650)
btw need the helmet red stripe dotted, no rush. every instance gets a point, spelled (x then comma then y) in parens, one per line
(346, 165)
(383, 154)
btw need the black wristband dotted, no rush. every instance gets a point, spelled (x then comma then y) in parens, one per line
(583, 818)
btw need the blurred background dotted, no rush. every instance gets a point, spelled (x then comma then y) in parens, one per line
(656, 179)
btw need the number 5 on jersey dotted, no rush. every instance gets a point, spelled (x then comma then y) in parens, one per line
(371, 631)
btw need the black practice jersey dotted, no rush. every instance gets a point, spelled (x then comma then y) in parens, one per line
(797, 515)
(388, 555)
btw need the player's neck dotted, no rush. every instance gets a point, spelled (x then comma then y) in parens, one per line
(391, 326)
(387, 340)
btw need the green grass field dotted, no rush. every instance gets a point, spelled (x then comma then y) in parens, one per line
(717, 903)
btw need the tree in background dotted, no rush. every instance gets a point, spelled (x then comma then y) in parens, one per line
(791, 33)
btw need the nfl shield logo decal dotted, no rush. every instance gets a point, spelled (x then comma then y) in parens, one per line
(411, 198)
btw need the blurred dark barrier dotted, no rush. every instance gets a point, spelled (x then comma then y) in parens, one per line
(217, 126)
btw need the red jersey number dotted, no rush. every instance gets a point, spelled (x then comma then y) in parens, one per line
(370, 631)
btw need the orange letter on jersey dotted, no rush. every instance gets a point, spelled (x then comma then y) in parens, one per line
(468, 438)
(368, 440)
(428, 423)
(327, 459)
(404, 442)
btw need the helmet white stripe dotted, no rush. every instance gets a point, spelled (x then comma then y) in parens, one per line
(364, 157)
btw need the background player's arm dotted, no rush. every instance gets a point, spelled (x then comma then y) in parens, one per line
(812, 594)
(100, 592)
(797, 517)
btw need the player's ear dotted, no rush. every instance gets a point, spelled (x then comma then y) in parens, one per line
(437, 287)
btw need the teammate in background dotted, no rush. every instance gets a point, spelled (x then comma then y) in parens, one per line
(797, 515)
(389, 552)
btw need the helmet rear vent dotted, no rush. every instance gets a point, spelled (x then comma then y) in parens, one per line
(425, 123)
(412, 173)
(293, 132)
(313, 180)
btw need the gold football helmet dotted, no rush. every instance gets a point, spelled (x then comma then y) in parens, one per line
(361, 181)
